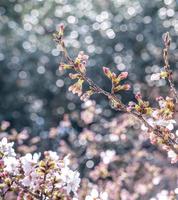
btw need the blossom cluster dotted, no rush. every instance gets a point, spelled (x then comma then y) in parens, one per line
(158, 122)
(34, 178)
(117, 163)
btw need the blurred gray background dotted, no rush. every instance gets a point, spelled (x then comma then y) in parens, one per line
(120, 34)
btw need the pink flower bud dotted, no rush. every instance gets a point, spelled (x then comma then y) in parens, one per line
(167, 39)
(61, 27)
(123, 75)
(106, 70)
(126, 87)
(138, 96)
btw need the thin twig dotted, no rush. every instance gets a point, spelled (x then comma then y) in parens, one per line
(167, 41)
(122, 107)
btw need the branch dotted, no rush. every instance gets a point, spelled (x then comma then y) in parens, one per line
(119, 105)
(167, 42)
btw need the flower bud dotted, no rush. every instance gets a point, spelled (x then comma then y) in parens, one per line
(76, 88)
(74, 76)
(107, 72)
(138, 96)
(61, 29)
(121, 87)
(126, 87)
(123, 75)
(65, 66)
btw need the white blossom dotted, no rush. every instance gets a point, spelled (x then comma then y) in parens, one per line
(11, 164)
(28, 161)
(32, 174)
(66, 160)
(7, 148)
(31, 181)
(53, 155)
(71, 179)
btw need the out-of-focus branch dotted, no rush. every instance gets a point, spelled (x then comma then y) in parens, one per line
(167, 42)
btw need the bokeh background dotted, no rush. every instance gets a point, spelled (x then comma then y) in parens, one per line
(125, 35)
(121, 34)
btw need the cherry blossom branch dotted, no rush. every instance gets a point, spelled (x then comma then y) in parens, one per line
(167, 42)
(78, 65)
(123, 108)
(48, 178)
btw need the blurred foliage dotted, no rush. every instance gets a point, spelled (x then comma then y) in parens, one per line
(121, 34)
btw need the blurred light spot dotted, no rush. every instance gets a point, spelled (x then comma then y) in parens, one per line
(2, 56)
(98, 50)
(118, 59)
(104, 15)
(27, 27)
(113, 137)
(91, 48)
(99, 18)
(139, 37)
(88, 39)
(41, 70)
(136, 87)
(84, 29)
(121, 67)
(156, 180)
(119, 47)
(74, 34)
(168, 2)
(145, 56)
(105, 25)
(39, 120)
(170, 12)
(123, 27)
(22, 75)
(162, 13)
(71, 19)
(60, 110)
(28, 46)
(59, 83)
(110, 33)
(166, 23)
(176, 190)
(147, 20)
(55, 52)
(89, 164)
(71, 106)
(96, 26)
(131, 11)
(35, 13)
(18, 8)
